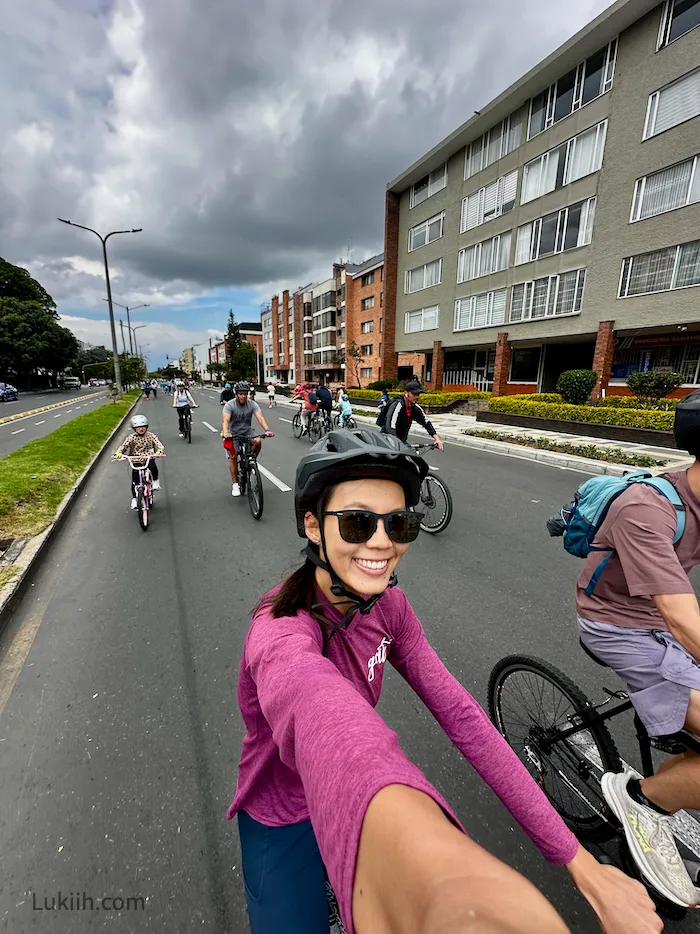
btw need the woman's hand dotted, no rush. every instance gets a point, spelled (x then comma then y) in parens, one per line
(621, 904)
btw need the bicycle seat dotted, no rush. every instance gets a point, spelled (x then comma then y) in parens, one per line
(593, 657)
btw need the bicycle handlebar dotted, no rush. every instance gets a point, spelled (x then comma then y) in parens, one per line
(137, 457)
(418, 448)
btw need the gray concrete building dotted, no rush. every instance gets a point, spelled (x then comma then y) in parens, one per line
(559, 227)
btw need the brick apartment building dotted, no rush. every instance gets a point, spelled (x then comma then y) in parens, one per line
(559, 227)
(251, 331)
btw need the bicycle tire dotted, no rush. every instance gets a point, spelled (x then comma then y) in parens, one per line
(189, 429)
(297, 426)
(336, 420)
(351, 423)
(315, 429)
(242, 474)
(574, 766)
(434, 523)
(142, 509)
(255, 490)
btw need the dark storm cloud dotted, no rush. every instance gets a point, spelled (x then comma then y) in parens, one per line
(252, 142)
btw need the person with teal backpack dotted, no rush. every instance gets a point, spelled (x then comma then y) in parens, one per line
(638, 613)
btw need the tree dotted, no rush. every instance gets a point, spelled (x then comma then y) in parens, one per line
(15, 282)
(31, 340)
(353, 359)
(217, 370)
(652, 386)
(244, 362)
(233, 337)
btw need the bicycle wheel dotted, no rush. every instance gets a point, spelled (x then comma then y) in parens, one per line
(242, 473)
(297, 426)
(336, 420)
(142, 508)
(189, 429)
(255, 490)
(529, 702)
(436, 504)
(315, 429)
(351, 423)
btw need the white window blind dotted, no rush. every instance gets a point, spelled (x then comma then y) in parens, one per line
(480, 311)
(423, 277)
(585, 153)
(426, 232)
(484, 258)
(425, 319)
(666, 190)
(548, 297)
(673, 104)
(567, 229)
(496, 143)
(429, 185)
(677, 267)
(489, 202)
(574, 159)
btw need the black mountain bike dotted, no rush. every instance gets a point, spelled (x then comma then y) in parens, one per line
(435, 499)
(249, 476)
(186, 424)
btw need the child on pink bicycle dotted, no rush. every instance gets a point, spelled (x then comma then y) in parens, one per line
(142, 441)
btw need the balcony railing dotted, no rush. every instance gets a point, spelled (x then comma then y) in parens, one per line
(475, 378)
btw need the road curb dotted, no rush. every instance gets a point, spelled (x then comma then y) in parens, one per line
(36, 548)
(45, 408)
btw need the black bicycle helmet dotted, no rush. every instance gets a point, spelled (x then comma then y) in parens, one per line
(355, 455)
(686, 427)
(242, 386)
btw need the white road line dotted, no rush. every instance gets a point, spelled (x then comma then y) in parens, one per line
(210, 427)
(273, 479)
(18, 432)
(42, 422)
(287, 420)
(59, 415)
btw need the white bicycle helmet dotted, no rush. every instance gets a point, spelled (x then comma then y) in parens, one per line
(139, 421)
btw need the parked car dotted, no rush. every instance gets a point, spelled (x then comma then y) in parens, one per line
(71, 382)
(8, 393)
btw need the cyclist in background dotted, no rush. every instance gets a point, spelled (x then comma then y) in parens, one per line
(252, 392)
(401, 413)
(322, 773)
(226, 394)
(236, 426)
(183, 402)
(345, 409)
(154, 387)
(306, 394)
(142, 441)
(325, 403)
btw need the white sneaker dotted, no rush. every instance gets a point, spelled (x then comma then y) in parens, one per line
(156, 484)
(650, 842)
(235, 490)
(181, 435)
(133, 503)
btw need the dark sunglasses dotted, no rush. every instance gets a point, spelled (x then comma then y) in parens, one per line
(359, 525)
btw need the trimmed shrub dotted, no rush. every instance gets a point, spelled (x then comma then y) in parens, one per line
(632, 402)
(654, 385)
(629, 418)
(577, 385)
(382, 384)
(538, 397)
(426, 399)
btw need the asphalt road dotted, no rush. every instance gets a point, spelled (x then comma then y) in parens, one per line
(120, 740)
(19, 431)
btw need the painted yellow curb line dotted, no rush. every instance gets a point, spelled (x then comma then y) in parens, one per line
(45, 408)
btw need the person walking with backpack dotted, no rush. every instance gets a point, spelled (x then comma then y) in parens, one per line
(401, 413)
(638, 613)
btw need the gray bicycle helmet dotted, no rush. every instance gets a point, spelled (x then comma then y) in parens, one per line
(686, 425)
(139, 421)
(242, 386)
(355, 455)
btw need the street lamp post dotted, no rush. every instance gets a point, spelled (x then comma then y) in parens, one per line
(137, 328)
(127, 309)
(103, 241)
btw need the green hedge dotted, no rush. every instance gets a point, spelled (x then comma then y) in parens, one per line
(427, 398)
(538, 397)
(632, 402)
(630, 418)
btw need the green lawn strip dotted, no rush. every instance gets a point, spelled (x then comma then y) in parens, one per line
(6, 574)
(613, 455)
(35, 478)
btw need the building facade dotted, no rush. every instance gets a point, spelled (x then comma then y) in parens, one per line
(251, 331)
(364, 321)
(560, 226)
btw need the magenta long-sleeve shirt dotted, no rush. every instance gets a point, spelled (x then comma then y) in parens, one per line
(315, 746)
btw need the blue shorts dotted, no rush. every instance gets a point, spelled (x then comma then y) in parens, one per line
(284, 876)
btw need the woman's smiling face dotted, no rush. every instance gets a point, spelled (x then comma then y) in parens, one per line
(363, 568)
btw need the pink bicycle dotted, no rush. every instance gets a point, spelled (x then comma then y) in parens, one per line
(143, 489)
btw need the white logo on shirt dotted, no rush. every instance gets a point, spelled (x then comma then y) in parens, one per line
(378, 658)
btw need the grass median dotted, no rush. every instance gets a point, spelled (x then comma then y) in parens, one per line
(34, 479)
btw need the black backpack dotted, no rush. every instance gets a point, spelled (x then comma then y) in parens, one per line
(381, 418)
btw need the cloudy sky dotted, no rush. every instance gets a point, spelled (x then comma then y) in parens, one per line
(252, 140)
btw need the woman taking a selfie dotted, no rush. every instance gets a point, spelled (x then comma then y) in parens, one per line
(323, 785)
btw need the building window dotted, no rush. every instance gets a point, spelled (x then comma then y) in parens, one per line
(572, 160)
(425, 319)
(548, 297)
(480, 311)
(367, 327)
(366, 372)
(484, 258)
(673, 104)
(678, 267)
(574, 90)
(367, 350)
(524, 365)
(426, 232)
(678, 18)
(429, 185)
(666, 190)
(368, 278)
(492, 201)
(381, 325)
(498, 142)
(567, 229)
(368, 303)
(381, 299)
(423, 277)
